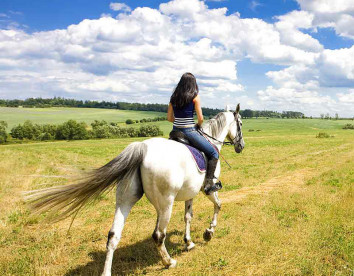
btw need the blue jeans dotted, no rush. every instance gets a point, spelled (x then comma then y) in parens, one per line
(199, 142)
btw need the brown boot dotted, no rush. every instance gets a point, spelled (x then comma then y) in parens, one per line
(209, 185)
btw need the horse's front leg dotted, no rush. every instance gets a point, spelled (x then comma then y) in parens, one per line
(188, 214)
(208, 234)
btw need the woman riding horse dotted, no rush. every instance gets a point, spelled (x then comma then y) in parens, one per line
(184, 101)
(161, 169)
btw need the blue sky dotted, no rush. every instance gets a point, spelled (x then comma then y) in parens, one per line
(53, 14)
(278, 54)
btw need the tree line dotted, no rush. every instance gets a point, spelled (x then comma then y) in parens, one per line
(208, 112)
(73, 130)
(144, 120)
(248, 113)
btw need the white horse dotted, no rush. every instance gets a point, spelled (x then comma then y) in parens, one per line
(162, 169)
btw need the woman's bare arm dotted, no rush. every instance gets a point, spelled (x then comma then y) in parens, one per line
(198, 110)
(170, 115)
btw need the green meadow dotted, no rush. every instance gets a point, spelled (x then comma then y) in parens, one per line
(57, 115)
(288, 204)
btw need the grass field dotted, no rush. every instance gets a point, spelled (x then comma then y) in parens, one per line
(288, 208)
(57, 115)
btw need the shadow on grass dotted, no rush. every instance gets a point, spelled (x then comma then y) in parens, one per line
(128, 259)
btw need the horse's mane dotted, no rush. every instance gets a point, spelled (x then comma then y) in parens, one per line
(216, 124)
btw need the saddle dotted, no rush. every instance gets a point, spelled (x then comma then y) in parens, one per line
(199, 156)
(179, 136)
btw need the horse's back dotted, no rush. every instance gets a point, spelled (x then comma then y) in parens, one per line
(169, 168)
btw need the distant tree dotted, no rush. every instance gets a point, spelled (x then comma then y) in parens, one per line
(72, 130)
(3, 133)
(336, 116)
(247, 113)
(28, 131)
(101, 131)
(48, 132)
(149, 131)
(97, 123)
(132, 132)
(322, 116)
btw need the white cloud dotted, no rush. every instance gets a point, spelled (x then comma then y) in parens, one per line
(333, 14)
(119, 7)
(337, 67)
(325, 6)
(254, 5)
(140, 56)
(106, 15)
(289, 25)
(347, 98)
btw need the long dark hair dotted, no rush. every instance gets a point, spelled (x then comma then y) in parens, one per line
(185, 91)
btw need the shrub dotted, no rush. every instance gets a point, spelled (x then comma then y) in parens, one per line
(71, 130)
(3, 133)
(101, 132)
(348, 126)
(45, 136)
(26, 131)
(149, 131)
(17, 132)
(132, 132)
(322, 135)
(48, 132)
(129, 122)
(97, 123)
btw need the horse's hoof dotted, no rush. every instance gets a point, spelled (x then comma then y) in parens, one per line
(190, 246)
(208, 234)
(172, 264)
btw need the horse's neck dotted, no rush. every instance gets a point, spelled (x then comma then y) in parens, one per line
(222, 135)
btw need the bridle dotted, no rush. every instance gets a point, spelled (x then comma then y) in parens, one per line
(233, 142)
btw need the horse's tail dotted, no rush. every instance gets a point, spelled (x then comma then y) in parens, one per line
(63, 201)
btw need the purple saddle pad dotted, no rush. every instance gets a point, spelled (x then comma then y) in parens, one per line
(198, 158)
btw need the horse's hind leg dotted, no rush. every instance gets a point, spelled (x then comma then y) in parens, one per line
(159, 235)
(125, 200)
(208, 234)
(187, 219)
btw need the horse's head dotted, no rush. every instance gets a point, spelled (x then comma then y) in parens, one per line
(235, 131)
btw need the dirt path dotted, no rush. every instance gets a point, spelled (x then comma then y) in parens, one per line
(292, 180)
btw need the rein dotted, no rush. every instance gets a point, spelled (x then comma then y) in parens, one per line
(224, 143)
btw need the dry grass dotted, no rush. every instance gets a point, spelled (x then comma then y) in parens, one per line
(288, 209)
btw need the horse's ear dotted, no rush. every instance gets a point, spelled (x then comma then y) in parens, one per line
(227, 108)
(238, 108)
